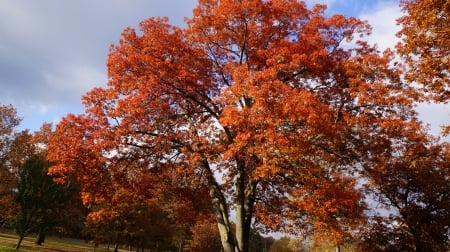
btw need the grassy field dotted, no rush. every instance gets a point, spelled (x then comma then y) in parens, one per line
(8, 243)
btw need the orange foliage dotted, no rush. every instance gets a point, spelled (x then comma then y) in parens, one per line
(205, 237)
(15, 148)
(8, 122)
(425, 44)
(262, 93)
(414, 181)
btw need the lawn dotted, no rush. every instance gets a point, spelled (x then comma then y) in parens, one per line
(8, 243)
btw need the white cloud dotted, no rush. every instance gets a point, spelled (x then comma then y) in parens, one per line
(383, 21)
(70, 82)
(52, 52)
(327, 2)
(435, 116)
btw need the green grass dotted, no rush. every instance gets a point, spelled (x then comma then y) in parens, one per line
(8, 249)
(9, 240)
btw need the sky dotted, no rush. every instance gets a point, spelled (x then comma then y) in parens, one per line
(52, 52)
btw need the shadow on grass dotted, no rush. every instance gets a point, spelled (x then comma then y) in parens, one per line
(8, 242)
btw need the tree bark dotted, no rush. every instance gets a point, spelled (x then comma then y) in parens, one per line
(40, 238)
(220, 211)
(20, 240)
(240, 210)
(246, 191)
(24, 227)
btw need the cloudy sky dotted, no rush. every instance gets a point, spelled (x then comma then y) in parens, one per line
(52, 51)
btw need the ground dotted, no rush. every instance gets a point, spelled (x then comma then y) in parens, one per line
(8, 242)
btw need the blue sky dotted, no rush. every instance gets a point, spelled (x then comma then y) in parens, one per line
(52, 51)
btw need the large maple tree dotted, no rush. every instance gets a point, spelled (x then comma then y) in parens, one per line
(268, 104)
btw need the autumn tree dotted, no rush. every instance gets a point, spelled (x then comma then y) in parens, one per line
(148, 226)
(413, 181)
(15, 148)
(142, 225)
(425, 37)
(8, 123)
(74, 213)
(205, 236)
(265, 103)
(29, 195)
(425, 46)
(268, 242)
(282, 245)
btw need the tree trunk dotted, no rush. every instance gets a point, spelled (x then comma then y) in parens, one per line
(241, 229)
(219, 208)
(22, 235)
(240, 211)
(40, 238)
(338, 248)
(180, 245)
(220, 211)
(24, 226)
(245, 190)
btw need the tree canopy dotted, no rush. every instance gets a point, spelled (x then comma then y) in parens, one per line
(268, 105)
(8, 123)
(424, 44)
(39, 198)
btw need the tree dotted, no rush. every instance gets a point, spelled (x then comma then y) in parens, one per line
(414, 182)
(268, 242)
(256, 100)
(148, 226)
(256, 241)
(205, 236)
(385, 234)
(74, 213)
(425, 37)
(8, 122)
(140, 225)
(39, 198)
(328, 210)
(281, 245)
(15, 148)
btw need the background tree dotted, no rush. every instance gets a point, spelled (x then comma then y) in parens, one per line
(425, 46)
(253, 101)
(414, 182)
(425, 37)
(282, 245)
(15, 148)
(74, 213)
(256, 242)
(268, 241)
(39, 198)
(127, 219)
(148, 226)
(205, 236)
(8, 122)
(385, 234)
